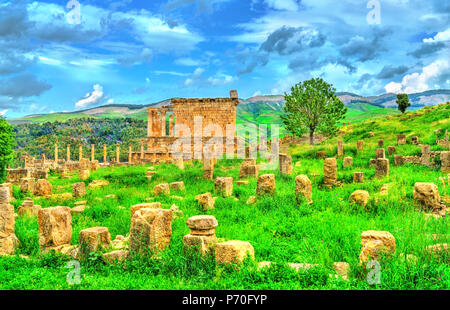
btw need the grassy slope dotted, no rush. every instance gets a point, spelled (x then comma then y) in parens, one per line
(278, 228)
(263, 114)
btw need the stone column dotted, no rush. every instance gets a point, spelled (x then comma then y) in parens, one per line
(92, 152)
(156, 128)
(425, 158)
(149, 122)
(330, 172)
(203, 236)
(104, 153)
(142, 150)
(358, 177)
(382, 167)
(340, 149)
(401, 139)
(163, 123)
(360, 145)
(130, 159)
(285, 164)
(56, 154)
(80, 153)
(8, 239)
(380, 153)
(68, 153)
(117, 153)
(303, 188)
(171, 125)
(445, 162)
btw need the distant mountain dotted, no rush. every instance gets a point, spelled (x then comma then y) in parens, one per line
(257, 109)
(419, 100)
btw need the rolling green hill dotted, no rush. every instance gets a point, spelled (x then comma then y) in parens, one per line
(258, 109)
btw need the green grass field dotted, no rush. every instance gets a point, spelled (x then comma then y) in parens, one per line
(280, 230)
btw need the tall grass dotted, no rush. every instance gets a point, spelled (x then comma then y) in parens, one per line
(280, 230)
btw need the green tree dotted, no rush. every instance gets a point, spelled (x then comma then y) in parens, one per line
(7, 144)
(403, 102)
(313, 107)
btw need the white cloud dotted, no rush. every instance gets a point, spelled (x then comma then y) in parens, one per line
(50, 61)
(440, 36)
(159, 72)
(157, 33)
(196, 76)
(91, 98)
(221, 79)
(2, 113)
(419, 82)
(110, 101)
(287, 5)
(393, 87)
(187, 61)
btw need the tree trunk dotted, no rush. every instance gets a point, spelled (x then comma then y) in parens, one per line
(311, 137)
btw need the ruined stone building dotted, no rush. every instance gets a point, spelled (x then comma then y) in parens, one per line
(195, 120)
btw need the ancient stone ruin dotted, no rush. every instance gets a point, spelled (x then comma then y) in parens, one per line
(93, 240)
(330, 172)
(208, 169)
(374, 243)
(425, 158)
(360, 197)
(340, 148)
(382, 167)
(348, 162)
(360, 145)
(151, 231)
(43, 188)
(391, 150)
(303, 188)
(358, 177)
(8, 239)
(445, 162)
(202, 235)
(266, 184)
(55, 228)
(27, 185)
(249, 169)
(206, 201)
(79, 189)
(380, 153)
(224, 186)
(28, 208)
(401, 139)
(285, 164)
(216, 117)
(233, 252)
(427, 195)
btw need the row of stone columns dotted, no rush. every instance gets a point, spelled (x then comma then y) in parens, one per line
(80, 152)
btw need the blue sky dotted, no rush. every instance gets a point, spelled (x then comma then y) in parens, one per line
(140, 52)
